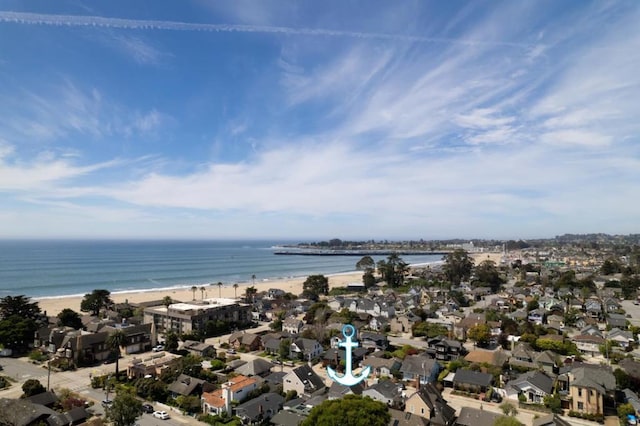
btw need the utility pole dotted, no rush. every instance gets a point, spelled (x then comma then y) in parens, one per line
(48, 374)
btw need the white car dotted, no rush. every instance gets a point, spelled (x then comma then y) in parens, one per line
(161, 415)
(158, 348)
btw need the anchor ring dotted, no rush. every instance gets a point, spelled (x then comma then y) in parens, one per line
(348, 331)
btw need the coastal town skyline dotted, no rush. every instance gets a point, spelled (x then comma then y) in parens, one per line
(264, 120)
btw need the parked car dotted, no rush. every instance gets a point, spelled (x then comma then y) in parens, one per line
(107, 403)
(162, 415)
(147, 408)
(158, 348)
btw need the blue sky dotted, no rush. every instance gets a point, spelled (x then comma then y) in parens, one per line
(304, 119)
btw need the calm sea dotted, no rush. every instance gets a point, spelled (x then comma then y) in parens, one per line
(63, 268)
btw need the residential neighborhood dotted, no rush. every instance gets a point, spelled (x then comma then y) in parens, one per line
(548, 337)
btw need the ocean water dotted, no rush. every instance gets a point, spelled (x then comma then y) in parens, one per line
(62, 268)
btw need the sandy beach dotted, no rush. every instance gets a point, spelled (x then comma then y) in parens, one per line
(53, 306)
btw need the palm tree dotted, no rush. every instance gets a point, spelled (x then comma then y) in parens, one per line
(167, 301)
(193, 290)
(202, 293)
(219, 284)
(235, 289)
(253, 279)
(114, 342)
(250, 292)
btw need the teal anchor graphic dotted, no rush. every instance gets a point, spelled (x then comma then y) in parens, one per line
(348, 331)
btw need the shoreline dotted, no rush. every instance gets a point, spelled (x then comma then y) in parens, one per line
(53, 305)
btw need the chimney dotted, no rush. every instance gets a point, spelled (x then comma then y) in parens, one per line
(226, 395)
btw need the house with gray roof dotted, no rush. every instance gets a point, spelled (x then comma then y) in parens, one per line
(386, 391)
(382, 366)
(534, 385)
(337, 391)
(476, 417)
(75, 416)
(255, 367)
(587, 386)
(305, 349)
(20, 412)
(304, 381)
(420, 368)
(287, 418)
(292, 325)
(550, 420)
(617, 321)
(472, 381)
(205, 350)
(260, 409)
(428, 402)
(185, 385)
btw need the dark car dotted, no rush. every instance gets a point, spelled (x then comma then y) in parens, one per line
(147, 408)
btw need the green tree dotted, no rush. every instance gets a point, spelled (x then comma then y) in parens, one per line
(125, 410)
(610, 266)
(17, 333)
(429, 330)
(276, 325)
(507, 421)
(115, 341)
(69, 318)
(284, 348)
(193, 290)
(190, 403)
(235, 290)
(457, 266)
(622, 378)
(19, 320)
(32, 387)
(352, 410)
(624, 410)
(487, 274)
(219, 284)
(96, 300)
(202, 290)
(481, 334)
(250, 294)
(394, 270)
(366, 264)
(18, 306)
(553, 402)
(171, 341)
(508, 409)
(368, 279)
(314, 286)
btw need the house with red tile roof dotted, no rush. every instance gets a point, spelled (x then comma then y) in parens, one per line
(219, 401)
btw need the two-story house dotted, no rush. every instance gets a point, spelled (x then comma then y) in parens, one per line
(306, 349)
(444, 349)
(219, 401)
(292, 325)
(427, 402)
(304, 381)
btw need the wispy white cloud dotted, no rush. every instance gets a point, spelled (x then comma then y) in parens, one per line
(57, 111)
(41, 173)
(137, 48)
